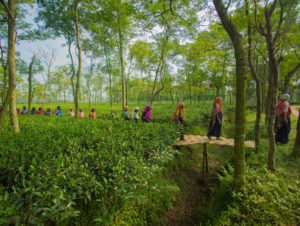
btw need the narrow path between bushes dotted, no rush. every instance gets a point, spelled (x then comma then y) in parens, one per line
(194, 191)
(295, 110)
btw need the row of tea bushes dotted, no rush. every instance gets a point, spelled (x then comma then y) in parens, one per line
(68, 171)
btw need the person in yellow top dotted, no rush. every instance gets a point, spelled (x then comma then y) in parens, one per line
(93, 113)
(71, 112)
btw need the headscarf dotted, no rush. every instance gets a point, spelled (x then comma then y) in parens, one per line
(147, 109)
(58, 111)
(284, 104)
(134, 114)
(218, 101)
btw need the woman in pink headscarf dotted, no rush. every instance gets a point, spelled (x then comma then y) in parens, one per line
(283, 122)
(146, 115)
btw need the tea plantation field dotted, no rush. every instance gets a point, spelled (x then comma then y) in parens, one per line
(70, 171)
(65, 170)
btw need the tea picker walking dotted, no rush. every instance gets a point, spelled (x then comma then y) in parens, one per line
(125, 113)
(283, 122)
(113, 115)
(70, 113)
(178, 118)
(80, 113)
(93, 113)
(135, 114)
(58, 111)
(40, 111)
(33, 111)
(24, 110)
(146, 115)
(48, 112)
(215, 124)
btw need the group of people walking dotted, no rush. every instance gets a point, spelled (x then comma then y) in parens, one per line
(58, 112)
(282, 123)
(146, 114)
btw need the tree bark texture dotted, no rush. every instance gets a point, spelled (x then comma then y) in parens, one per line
(122, 61)
(78, 74)
(30, 93)
(4, 66)
(273, 86)
(109, 75)
(11, 93)
(73, 70)
(255, 77)
(241, 77)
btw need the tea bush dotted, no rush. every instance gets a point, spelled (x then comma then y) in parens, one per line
(70, 171)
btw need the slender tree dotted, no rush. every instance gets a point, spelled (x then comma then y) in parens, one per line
(241, 78)
(30, 93)
(10, 98)
(255, 77)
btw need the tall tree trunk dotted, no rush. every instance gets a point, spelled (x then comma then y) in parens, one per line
(263, 92)
(241, 77)
(78, 74)
(73, 70)
(88, 83)
(255, 77)
(122, 61)
(11, 93)
(127, 79)
(109, 75)
(296, 151)
(30, 95)
(4, 66)
(268, 99)
(274, 74)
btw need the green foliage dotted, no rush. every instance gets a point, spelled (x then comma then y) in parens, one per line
(267, 199)
(64, 170)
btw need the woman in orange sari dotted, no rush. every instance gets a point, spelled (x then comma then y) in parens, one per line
(178, 114)
(178, 117)
(93, 113)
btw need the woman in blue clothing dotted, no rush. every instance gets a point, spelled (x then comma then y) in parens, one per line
(58, 111)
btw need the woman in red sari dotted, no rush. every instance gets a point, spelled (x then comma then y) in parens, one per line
(215, 124)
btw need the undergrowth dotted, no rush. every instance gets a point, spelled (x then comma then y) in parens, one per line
(268, 198)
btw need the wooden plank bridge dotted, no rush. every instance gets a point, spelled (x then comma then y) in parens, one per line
(197, 139)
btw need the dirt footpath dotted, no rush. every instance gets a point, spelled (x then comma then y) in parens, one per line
(295, 110)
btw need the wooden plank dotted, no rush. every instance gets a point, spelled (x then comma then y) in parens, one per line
(196, 139)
